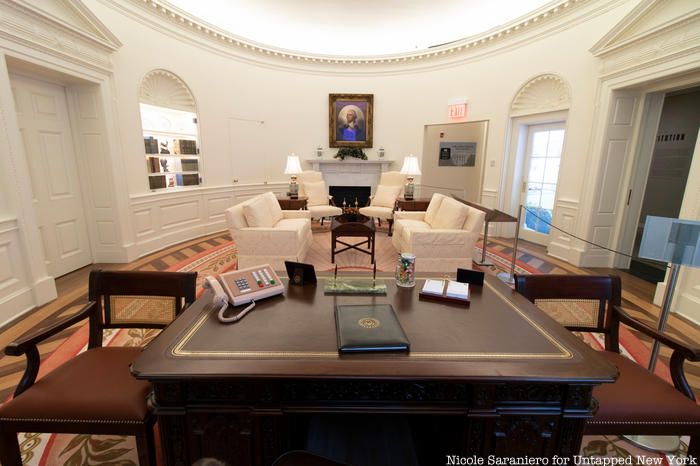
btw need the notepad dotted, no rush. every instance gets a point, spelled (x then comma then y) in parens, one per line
(457, 290)
(446, 291)
(434, 287)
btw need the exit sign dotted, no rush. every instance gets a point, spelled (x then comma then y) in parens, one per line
(457, 109)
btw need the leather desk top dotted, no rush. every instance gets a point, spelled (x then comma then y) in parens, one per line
(500, 336)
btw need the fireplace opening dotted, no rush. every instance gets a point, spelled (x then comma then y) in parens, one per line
(349, 194)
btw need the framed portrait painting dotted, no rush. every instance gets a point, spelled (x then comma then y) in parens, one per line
(350, 120)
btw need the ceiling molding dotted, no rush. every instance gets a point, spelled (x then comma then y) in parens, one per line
(85, 41)
(644, 23)
(542, 94)
(212, 34)
(164, 89)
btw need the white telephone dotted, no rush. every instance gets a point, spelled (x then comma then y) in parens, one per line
(241, 287)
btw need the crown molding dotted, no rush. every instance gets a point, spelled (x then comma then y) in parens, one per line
(615, 40)
(173, 21)
(23, 23)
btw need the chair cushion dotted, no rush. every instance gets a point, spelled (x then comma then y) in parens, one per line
(94, 385)
(377, 212)
(450, 216)
(385, 196)
(433, 207)
(317, 193)
(258, 213)
(327, 210)
(638, 396)
(274, 205)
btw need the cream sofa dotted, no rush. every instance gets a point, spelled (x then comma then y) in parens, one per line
(266, 234)
(442, 238)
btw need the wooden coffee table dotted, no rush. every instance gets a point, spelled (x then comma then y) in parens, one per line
(357, 226)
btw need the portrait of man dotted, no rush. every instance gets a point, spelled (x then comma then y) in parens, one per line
(350, 120)
(351, 124)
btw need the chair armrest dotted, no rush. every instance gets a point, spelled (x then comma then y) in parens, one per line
(296, 214)
(681, 350)
(411, 215)
(692, 354)
(26, 341)
(27, 345)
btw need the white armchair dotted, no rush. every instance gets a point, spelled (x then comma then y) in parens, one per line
(319, 203)
(383, 202)
(266, 234)
(442, 238)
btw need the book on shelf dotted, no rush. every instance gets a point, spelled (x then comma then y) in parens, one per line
(445, 290)
(151, 145)
(189, 165)
(190, 180)
(156, 182)
(153, 164)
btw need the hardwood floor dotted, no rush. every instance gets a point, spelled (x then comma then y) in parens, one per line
(72, 288)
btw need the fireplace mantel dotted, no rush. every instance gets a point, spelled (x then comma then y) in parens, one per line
(350, 172)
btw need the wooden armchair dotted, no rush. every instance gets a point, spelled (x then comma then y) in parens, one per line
(639, 402)
(94, 392)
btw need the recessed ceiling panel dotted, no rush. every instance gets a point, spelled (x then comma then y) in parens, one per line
(357, 27)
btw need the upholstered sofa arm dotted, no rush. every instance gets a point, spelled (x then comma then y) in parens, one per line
(442, 237)
(296, 214)
(410, 215)
(267, 241)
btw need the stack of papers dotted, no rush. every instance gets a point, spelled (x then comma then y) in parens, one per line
(434, 287)
(455, 290)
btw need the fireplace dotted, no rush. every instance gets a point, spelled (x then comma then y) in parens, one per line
(349, 194)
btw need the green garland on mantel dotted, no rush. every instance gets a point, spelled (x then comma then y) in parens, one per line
(350, 152)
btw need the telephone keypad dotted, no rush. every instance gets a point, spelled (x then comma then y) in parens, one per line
(242, 285)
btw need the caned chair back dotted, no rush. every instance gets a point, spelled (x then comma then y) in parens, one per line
(308, 176)
(578, 302)
(137, 299)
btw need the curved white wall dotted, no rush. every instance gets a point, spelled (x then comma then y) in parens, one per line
(293, 104)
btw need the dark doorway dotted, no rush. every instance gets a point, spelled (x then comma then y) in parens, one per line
(668, 172)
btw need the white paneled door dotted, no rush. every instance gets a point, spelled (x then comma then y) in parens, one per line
(44, 123)
(543, 154)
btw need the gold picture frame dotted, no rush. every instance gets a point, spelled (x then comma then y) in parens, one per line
(350, 119)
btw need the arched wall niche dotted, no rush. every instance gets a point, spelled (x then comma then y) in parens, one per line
(542, 94)
(161, 88)
(170, 131)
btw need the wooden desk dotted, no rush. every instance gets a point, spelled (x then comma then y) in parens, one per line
(499, 377)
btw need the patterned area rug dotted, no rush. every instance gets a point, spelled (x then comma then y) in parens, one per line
(52, 449)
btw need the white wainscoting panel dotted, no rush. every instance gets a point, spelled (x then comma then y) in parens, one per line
(561, 245)
(165, 218)
(15, 288)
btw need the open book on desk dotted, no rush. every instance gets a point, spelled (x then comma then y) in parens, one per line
(445, 290)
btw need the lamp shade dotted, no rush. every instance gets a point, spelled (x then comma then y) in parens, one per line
(410, 166)
(293, 165)
(671, 240)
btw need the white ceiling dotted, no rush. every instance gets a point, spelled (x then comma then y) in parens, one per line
(357, 27)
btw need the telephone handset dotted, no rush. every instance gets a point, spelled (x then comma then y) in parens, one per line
(242, 287)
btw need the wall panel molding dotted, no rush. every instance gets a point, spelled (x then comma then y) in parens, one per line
(162, 219)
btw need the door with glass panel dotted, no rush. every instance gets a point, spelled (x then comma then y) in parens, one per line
(541, 170)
